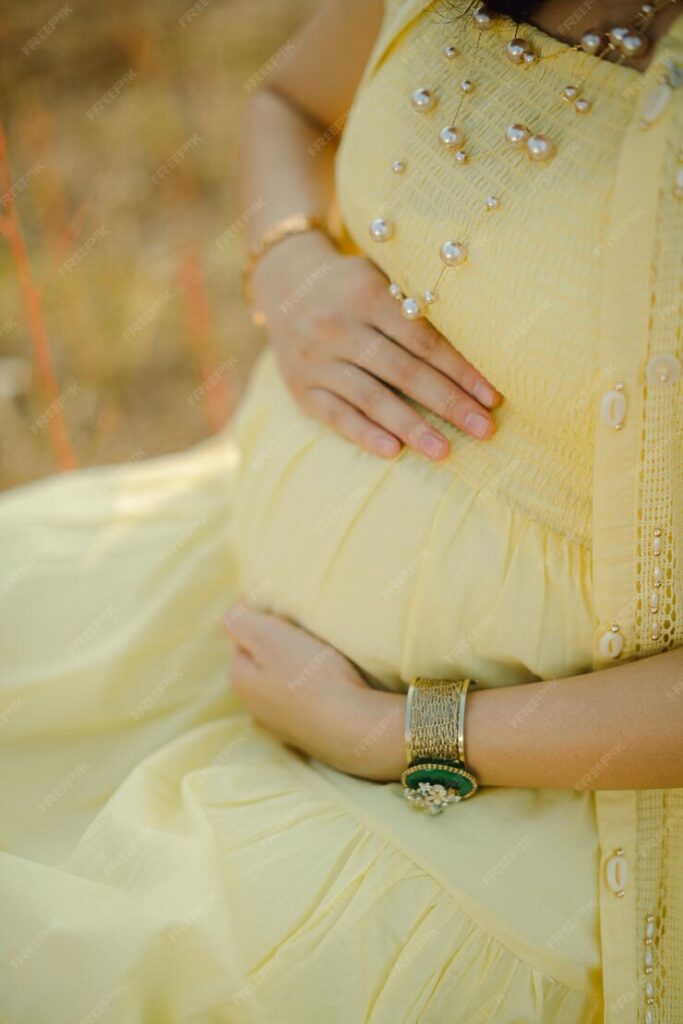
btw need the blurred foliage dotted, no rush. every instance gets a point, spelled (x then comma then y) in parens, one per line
(123, 125)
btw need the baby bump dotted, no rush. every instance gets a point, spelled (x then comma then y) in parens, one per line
(402, 565)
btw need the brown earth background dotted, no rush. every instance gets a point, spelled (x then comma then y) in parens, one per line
(123, 333)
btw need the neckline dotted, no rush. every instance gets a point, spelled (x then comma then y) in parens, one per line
(547, 45)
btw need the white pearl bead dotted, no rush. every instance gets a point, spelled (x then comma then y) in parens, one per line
(516, 135)
(453, 253)
(423, 100)
(593, 41)
(461, 156)
(381, 230)
(492, 202)
(395, 291)
(633, 44)
(616, 34)
(450, 137)
(582, 106)
(398, 166)
(429, 297)
(530, 58)
(516, 49)
(482, 19)
(570, 92)
(411, 308)
(449, 52)
(466, 85)
(539, 148)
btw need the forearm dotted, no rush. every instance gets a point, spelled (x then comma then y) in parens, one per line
(616, 728)
(293, 122)
(287, 165)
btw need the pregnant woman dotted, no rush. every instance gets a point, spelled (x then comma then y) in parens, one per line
(459, 458)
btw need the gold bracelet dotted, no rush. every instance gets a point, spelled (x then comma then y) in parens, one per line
(293, 224)
(435, 719)
(437, 774)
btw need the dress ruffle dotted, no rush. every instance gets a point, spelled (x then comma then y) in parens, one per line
(219, 885)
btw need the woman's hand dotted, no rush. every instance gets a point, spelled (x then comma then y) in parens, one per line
(348, 355)
(312, 698)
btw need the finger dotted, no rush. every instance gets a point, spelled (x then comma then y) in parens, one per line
(245, 626)
(244, 671)
(390, 362)
(384, 407)
(351, 423)
(424, 341)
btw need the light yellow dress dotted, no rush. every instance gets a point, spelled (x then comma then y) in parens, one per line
(164, 859)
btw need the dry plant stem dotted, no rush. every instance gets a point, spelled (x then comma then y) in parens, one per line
(11, 228)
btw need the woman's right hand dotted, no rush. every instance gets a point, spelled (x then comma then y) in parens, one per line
(348, 355)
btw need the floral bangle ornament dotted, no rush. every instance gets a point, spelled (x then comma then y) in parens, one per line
(437, 774)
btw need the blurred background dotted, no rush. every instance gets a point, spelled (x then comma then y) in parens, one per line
(123, 333)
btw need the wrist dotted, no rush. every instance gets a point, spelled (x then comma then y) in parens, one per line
(376, 746)
(288, 263)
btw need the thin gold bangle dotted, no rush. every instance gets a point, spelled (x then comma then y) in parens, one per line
(293, 224)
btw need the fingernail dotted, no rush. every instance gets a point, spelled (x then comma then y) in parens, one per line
(477, 424)
(387, 445)
(484, 393)
(433, 445)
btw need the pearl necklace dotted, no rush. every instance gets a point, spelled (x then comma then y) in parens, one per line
(628, 41)
(517, 137)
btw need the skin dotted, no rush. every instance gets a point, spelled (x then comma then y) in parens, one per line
(344, 350)
(593, 731)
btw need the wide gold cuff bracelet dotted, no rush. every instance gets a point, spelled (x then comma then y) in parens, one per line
(437, 773)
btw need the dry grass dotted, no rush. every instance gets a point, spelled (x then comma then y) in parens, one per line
(122, 332)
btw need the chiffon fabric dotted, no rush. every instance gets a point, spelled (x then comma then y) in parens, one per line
(165, 859)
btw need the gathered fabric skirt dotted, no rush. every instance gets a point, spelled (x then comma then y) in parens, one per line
(166, 860)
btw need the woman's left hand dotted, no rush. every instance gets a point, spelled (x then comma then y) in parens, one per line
(312, 698)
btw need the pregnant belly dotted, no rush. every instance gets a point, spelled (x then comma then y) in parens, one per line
(403, 565)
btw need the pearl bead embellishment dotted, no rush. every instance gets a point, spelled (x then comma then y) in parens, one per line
(449, 52)
(539, 148)
(617, 34)
(381, 230)
(634, 44)
(450, 137)
(423, 100)
(466, 85)
(593, 41)
(516, 135)
(453, 253)
(492, 202)
(395, 291)
(516, 50)
(411, 308)
(483, 19)
(398, 166)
